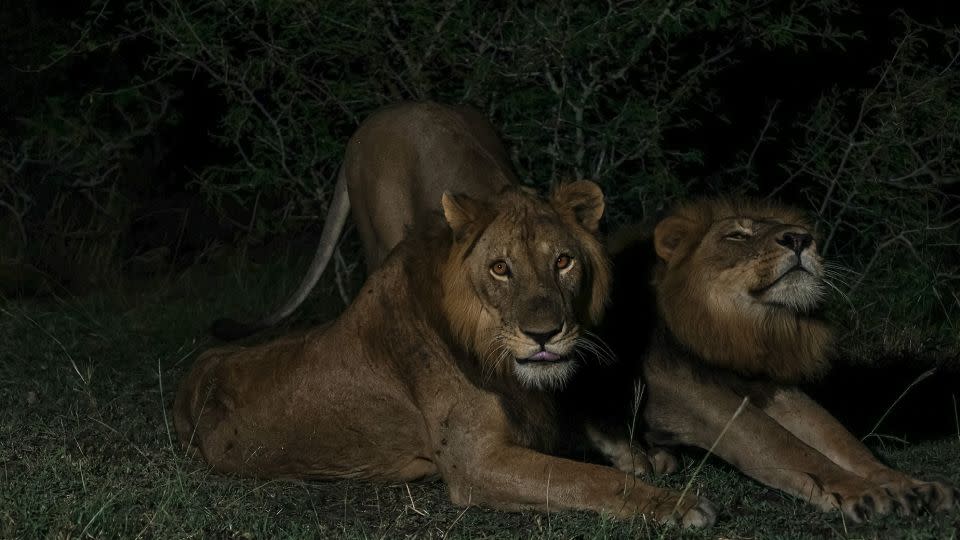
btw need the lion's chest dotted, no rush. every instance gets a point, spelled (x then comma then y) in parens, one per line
(532, 420)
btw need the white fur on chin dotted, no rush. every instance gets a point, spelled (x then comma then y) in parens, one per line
(545, 375)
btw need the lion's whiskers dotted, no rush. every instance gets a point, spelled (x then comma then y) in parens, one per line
(842, 294)
(491, 364)
(836, 276)
(835, 266)
(598, 349)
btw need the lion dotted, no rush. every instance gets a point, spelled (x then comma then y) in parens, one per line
(723, 305)
(447, 364)
(396, 166)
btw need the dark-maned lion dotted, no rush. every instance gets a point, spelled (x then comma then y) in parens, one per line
(719, 305)
(396, 166)
(445, 364)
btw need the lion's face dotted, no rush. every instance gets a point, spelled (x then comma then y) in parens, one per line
(756, 263)
(738, 283)
(527, 275)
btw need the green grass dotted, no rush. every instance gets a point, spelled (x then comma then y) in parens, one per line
(86, 448)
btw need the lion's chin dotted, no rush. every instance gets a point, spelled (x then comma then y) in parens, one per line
(544, 374)
(797, 290)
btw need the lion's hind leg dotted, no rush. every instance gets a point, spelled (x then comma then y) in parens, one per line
(201, 408)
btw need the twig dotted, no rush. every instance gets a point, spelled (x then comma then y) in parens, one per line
(446, 534)
(413, 505)
(743, 405)
(922, 376)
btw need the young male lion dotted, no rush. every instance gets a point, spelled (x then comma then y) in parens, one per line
(444, 365)
(720, 306)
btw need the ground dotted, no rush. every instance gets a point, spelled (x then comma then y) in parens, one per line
(87, 449)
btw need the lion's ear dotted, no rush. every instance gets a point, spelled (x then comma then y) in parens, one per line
(459, 211)
(669, 234)
(583, 199)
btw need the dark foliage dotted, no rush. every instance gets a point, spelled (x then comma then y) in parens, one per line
(138, 135)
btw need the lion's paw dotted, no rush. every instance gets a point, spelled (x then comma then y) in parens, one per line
(636, 463)
(662, 461)
(702, 514)
(874, 502)
(917, 495)
(656, 461)
(689, 512)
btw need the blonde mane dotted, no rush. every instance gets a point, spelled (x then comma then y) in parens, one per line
(471, 324)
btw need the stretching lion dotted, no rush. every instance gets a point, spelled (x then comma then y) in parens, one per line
(444, 365)
(396, 166)
(732, 313)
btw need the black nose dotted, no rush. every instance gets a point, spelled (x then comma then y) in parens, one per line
(542, 337)
(797, 241)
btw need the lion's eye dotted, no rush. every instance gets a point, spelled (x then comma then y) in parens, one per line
(737, 236)
(564, 261)
(500, 269)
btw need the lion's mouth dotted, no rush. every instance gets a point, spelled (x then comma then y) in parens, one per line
(540, 357)
(799, 289)
(796, 268)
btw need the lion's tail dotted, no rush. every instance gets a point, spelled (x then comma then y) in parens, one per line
(230, 329)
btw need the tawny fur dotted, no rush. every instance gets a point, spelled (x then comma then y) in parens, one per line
(396, 166)
(402, 386)
(719, 306)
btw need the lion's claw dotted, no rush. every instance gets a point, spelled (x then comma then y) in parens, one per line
(870, 504)
(918, 496)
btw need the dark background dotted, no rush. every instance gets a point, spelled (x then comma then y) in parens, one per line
(144, 138)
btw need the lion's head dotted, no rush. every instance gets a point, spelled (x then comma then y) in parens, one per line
(739, 283)
(523, 277)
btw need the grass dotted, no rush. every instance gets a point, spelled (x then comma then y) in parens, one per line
(86, 448)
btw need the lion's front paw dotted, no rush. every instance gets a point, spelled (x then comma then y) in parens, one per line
(635, 463)
(904, 495)
(701, 514)
(916, 495)
(662, 461)
(639, 463)
(632, 460)
(871, 502)
(690, 511)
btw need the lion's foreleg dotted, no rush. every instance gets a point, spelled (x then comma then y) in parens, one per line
(517, 478)
(812, 424)
(695, 412)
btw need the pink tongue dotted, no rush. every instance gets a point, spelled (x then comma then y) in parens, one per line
(545, 356)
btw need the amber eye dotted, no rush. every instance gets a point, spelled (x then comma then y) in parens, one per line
(737, 235)
(563, 262)
(500, 269)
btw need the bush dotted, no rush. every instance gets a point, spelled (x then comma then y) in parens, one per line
(217, 121)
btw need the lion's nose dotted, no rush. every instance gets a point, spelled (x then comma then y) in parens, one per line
(797, 241)
(542, 337)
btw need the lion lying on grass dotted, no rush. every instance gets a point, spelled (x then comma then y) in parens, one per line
(444, 365)
(731, 313)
